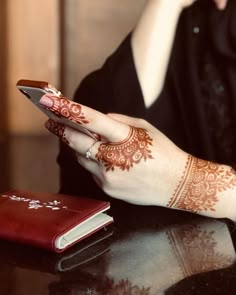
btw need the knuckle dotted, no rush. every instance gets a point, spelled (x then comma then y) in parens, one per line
(142, 122)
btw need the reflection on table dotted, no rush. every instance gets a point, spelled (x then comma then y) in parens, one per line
(127, 260)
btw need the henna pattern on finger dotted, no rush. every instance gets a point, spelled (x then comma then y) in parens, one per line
(126, 153)
(63, 107)
(57, 129)
(201, 181)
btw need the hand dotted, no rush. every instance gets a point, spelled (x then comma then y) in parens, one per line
(220, 4)
(129, 149)
(137, 163)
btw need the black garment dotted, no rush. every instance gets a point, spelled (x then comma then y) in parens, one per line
(196, 108)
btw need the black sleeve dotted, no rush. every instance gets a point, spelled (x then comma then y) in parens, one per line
(113, 88)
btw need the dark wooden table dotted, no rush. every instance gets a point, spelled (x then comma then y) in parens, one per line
(179, 253)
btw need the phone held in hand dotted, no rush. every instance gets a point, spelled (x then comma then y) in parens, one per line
(34, 90)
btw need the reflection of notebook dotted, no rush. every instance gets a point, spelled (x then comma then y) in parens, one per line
(50, 221)
(35, 259)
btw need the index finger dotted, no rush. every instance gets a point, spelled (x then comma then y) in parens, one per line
(86, 117)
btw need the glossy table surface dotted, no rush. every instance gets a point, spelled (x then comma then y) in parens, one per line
(193, 257)
(179, 253)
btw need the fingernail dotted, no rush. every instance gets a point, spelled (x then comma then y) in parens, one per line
(46, 101)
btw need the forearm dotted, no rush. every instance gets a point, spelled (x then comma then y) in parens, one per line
(151, 43)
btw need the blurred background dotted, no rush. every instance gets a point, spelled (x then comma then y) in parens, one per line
(59, 41)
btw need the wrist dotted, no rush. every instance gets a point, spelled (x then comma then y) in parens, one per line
(205, 188)
(170, 174)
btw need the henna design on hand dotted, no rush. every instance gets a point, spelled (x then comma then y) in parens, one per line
(57, 129)
(126, 153)
(201, 181)
(63, 107)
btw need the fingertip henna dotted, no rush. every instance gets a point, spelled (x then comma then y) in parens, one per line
(57, 129)
(62, 107)
(125, 154)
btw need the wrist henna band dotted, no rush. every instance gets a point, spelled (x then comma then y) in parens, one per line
(200, 183)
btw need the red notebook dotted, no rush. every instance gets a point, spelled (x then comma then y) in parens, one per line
(51, 221)
(81, 254)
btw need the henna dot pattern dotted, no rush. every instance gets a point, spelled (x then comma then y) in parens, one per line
(63, 107)
(125, 154)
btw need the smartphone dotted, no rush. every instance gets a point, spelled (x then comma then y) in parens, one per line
(34, 90)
